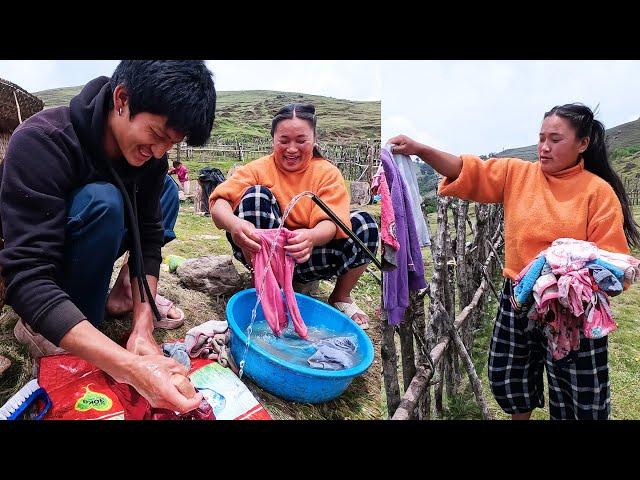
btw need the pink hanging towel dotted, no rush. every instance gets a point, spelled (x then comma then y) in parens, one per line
(280, 275)
(387, 215)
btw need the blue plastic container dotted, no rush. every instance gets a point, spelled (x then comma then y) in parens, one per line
(284, 379)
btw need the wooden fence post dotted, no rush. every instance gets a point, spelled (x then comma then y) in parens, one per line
(389, 364)
(444, 343)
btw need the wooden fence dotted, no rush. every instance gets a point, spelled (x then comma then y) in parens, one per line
(435, 341)
(356, 161)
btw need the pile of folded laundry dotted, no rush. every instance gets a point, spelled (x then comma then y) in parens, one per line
(567, 287)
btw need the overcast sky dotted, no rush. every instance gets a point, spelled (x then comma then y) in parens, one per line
(352, 80)
(458, 106)
(487, 106)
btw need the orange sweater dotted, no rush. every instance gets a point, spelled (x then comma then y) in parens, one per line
(541, 207)
(319, 176)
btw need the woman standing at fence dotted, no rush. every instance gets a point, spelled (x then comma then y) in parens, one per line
(257, 194)
(570, 192)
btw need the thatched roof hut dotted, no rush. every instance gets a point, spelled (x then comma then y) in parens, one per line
(16, 105)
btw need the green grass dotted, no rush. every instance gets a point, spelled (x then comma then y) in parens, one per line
(58, 96)
(626, 161)
(197, 236)
(625, 152)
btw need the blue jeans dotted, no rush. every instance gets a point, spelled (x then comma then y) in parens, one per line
(95, 239)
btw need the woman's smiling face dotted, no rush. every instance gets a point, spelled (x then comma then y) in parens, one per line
(293, 142)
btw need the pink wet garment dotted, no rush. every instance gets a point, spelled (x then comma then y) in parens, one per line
(387, 215)
(545, 290)
(279, 275)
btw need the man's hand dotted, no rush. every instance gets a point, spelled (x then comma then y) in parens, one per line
(151, 374)
(156, 378)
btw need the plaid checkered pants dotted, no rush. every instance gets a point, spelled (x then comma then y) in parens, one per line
(259, 206)
(578, 383)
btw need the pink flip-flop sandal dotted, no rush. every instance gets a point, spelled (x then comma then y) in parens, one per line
(166, 323)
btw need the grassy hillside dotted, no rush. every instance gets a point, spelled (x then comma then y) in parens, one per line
(57, 96)
(248, 113)
(626, 161)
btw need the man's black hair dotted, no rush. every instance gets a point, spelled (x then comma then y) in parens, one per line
(181, 90)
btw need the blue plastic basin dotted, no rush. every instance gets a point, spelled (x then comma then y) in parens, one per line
(296, 383)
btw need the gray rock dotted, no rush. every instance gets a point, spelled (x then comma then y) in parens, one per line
(360, 193)
(214, 275)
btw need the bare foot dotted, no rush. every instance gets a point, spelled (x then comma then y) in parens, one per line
(143, 344)
(360, 319)
(119, 302)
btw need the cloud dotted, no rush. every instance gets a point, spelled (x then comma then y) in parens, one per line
(28, 74)
(353, 80)
(399, 125)
(37, 75)
(485, 106)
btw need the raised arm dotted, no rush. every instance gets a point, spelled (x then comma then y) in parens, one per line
(444, 163)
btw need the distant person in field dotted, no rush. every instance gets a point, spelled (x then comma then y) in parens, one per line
(183, 175)
(80, 186)
(257, 194)
(572, 192)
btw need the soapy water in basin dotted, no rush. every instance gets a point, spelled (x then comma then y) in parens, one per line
(291, 348)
